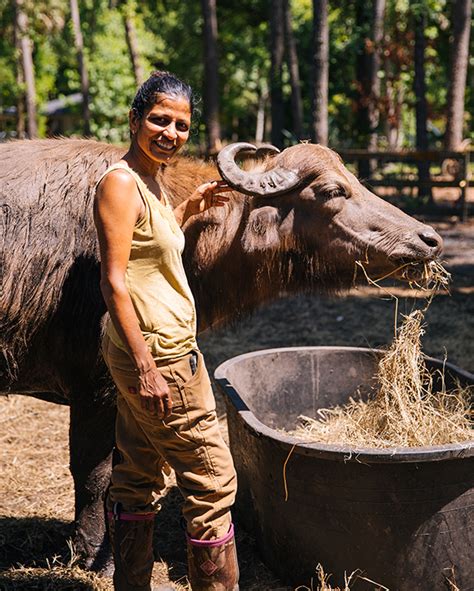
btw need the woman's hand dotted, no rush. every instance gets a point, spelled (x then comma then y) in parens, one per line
(154, 393)
(207, 195)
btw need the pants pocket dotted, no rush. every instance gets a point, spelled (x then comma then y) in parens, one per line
(195, 388)
(125, 376)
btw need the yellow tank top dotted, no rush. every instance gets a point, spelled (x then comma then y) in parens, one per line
(156, 280)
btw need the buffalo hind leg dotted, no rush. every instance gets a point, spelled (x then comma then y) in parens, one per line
(91, 440)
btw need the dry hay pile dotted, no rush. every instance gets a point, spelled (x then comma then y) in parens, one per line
(405, 411)
(56, 578)
(325, 584)
(67, 577)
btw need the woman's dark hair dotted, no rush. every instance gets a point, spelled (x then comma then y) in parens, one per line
(161, 83)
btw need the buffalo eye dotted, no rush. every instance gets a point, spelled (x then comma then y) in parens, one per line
(330, 190)
(335, 190)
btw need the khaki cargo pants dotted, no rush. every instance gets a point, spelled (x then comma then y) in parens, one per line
(189, 440)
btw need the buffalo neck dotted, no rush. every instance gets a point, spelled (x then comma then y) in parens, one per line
(227, 281)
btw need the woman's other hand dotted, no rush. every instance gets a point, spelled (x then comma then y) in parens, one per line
(207, 195)
(154, 393)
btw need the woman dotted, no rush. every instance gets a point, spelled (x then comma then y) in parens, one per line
(166, 409)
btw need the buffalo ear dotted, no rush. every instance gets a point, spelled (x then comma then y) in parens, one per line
(261, 231)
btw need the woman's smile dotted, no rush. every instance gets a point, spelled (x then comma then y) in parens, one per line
(169, 148)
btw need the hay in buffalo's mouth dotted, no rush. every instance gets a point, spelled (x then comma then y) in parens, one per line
(425, 275)
(429, 275)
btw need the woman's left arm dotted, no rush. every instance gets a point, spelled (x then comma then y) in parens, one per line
(204, 197)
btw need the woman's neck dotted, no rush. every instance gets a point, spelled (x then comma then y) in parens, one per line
(140, 162)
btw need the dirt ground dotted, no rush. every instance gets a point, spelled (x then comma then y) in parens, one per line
(36, 497)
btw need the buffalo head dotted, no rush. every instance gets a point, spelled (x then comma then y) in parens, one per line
(308, 204)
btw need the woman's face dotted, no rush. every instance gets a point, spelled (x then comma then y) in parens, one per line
(164, 129)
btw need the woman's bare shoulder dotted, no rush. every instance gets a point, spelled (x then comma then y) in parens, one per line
(119, 177)
(115, 183)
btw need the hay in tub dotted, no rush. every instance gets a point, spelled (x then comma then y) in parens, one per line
(405, 411)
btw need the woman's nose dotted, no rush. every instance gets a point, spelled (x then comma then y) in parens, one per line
(170, 131)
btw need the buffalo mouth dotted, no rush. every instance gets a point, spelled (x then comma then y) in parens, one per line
(424, 274)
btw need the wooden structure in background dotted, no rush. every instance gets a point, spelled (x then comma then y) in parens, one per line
(458, 170)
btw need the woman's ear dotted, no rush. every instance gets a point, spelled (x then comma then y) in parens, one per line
(133, 121)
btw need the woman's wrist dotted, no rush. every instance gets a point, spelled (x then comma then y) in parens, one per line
(144, 362)
(144, 369)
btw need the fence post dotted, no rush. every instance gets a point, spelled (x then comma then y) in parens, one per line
(464, 184)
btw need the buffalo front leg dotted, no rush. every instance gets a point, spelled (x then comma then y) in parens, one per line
(91, 440)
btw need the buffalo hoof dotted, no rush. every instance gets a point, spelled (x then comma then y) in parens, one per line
(106, 569)
(101, 561)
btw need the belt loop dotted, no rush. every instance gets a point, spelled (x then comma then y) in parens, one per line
(117, 509)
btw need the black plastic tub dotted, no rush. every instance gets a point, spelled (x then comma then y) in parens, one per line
(402, 516)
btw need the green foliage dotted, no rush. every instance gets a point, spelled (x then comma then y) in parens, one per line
(169, 34)
(245, 67)
(8, 85)
(111, 79)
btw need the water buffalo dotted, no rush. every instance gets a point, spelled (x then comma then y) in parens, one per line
(297, 221)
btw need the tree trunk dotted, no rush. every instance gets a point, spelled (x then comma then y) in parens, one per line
(277, 41)
(394, 90)
(461, 22)
(374, 65)
(363, 18)
(76, 22)
(260, 124)
(20, 81)
(369, 22)
(293, 67)
(28, 73)
(131, 37)
(211, 80)
(421, 106)
(319, 110)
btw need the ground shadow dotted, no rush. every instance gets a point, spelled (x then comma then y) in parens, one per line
(31, 549)
(26, 581)
(32, 541)
(169, 542)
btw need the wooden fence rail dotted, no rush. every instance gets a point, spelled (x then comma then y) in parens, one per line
(371, 165)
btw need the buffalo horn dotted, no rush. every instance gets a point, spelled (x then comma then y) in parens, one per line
(266, 150)
(276, 181)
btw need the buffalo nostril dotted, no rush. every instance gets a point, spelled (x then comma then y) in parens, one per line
(431, 239)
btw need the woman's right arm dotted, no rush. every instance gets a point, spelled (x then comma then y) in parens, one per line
(117, 207)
